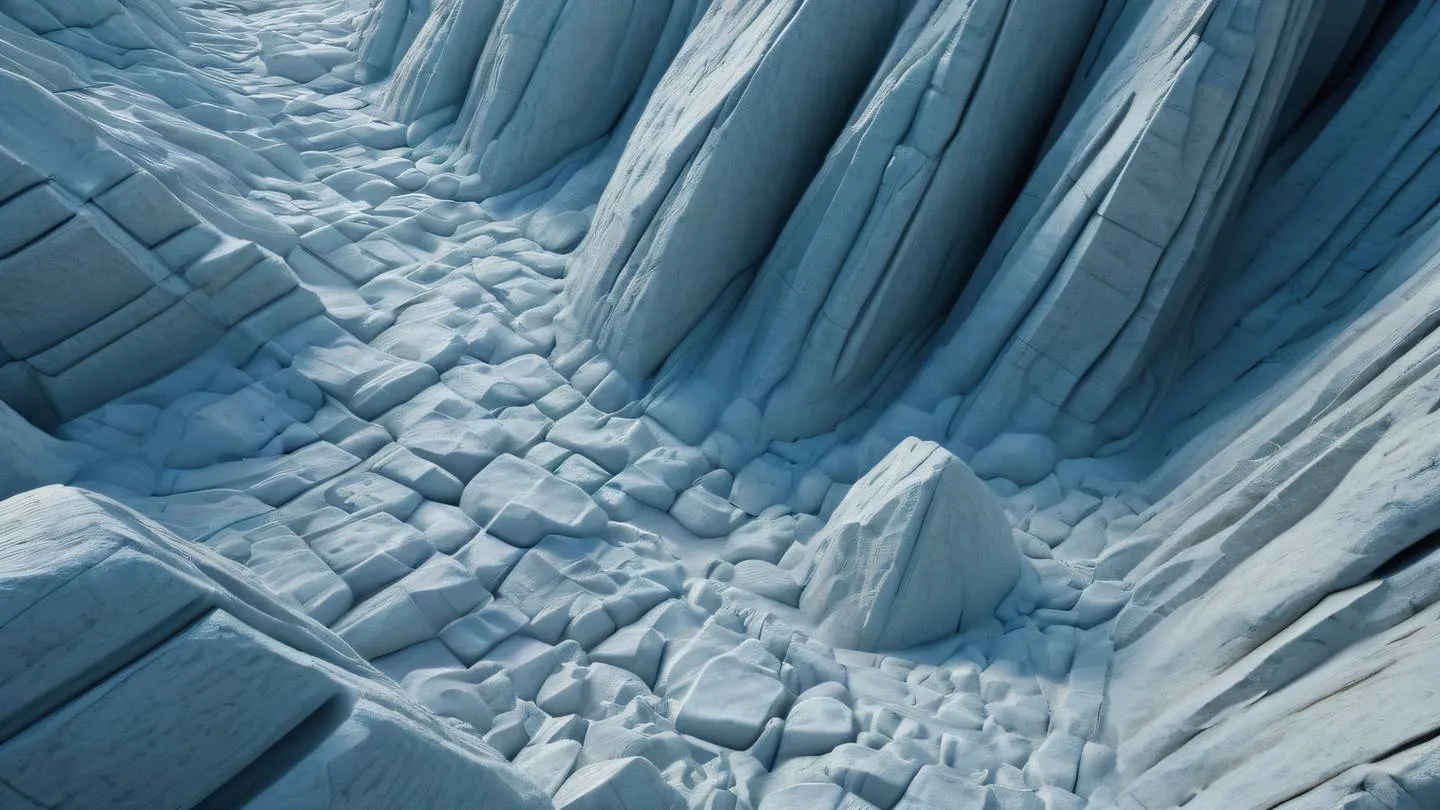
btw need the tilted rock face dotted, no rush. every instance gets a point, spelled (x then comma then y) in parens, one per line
(918, 550)
(108, 278)
(1309, 251)
(724, 149)
(892, 225)
(1285, 582)
(141, 670)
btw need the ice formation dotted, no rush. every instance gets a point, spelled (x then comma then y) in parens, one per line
(720, 404)
(917, 551)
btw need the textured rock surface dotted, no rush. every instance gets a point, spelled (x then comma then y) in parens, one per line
(142, 671)
(608, 376)
(918, 550)
(717, 159)
(859, 271)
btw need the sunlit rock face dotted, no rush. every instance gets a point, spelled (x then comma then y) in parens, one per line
(719, 404)
(917, 551)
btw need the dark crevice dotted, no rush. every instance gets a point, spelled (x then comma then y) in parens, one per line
(1414, 742)
(1409, 555)
(1373, 34)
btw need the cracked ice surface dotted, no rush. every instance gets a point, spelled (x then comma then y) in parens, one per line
(719, 403)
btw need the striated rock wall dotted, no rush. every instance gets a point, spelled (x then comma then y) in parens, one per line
(716, 161)
(719, 403)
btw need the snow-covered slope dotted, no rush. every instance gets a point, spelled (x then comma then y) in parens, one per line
(719, 403)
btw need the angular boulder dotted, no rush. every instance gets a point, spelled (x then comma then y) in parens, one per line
(918, 549)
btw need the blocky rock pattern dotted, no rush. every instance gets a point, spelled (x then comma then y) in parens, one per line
(145, 671)
(718, 403)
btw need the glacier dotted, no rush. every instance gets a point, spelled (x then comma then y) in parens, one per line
(720, 404)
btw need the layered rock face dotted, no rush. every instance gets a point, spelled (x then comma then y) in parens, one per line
(723, 404)
(170, 677)
(709, 183)
(917, 551)
(108, 278)
(893, 223)
(32, 458)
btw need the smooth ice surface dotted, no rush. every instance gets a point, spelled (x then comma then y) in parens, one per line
(719, 404)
